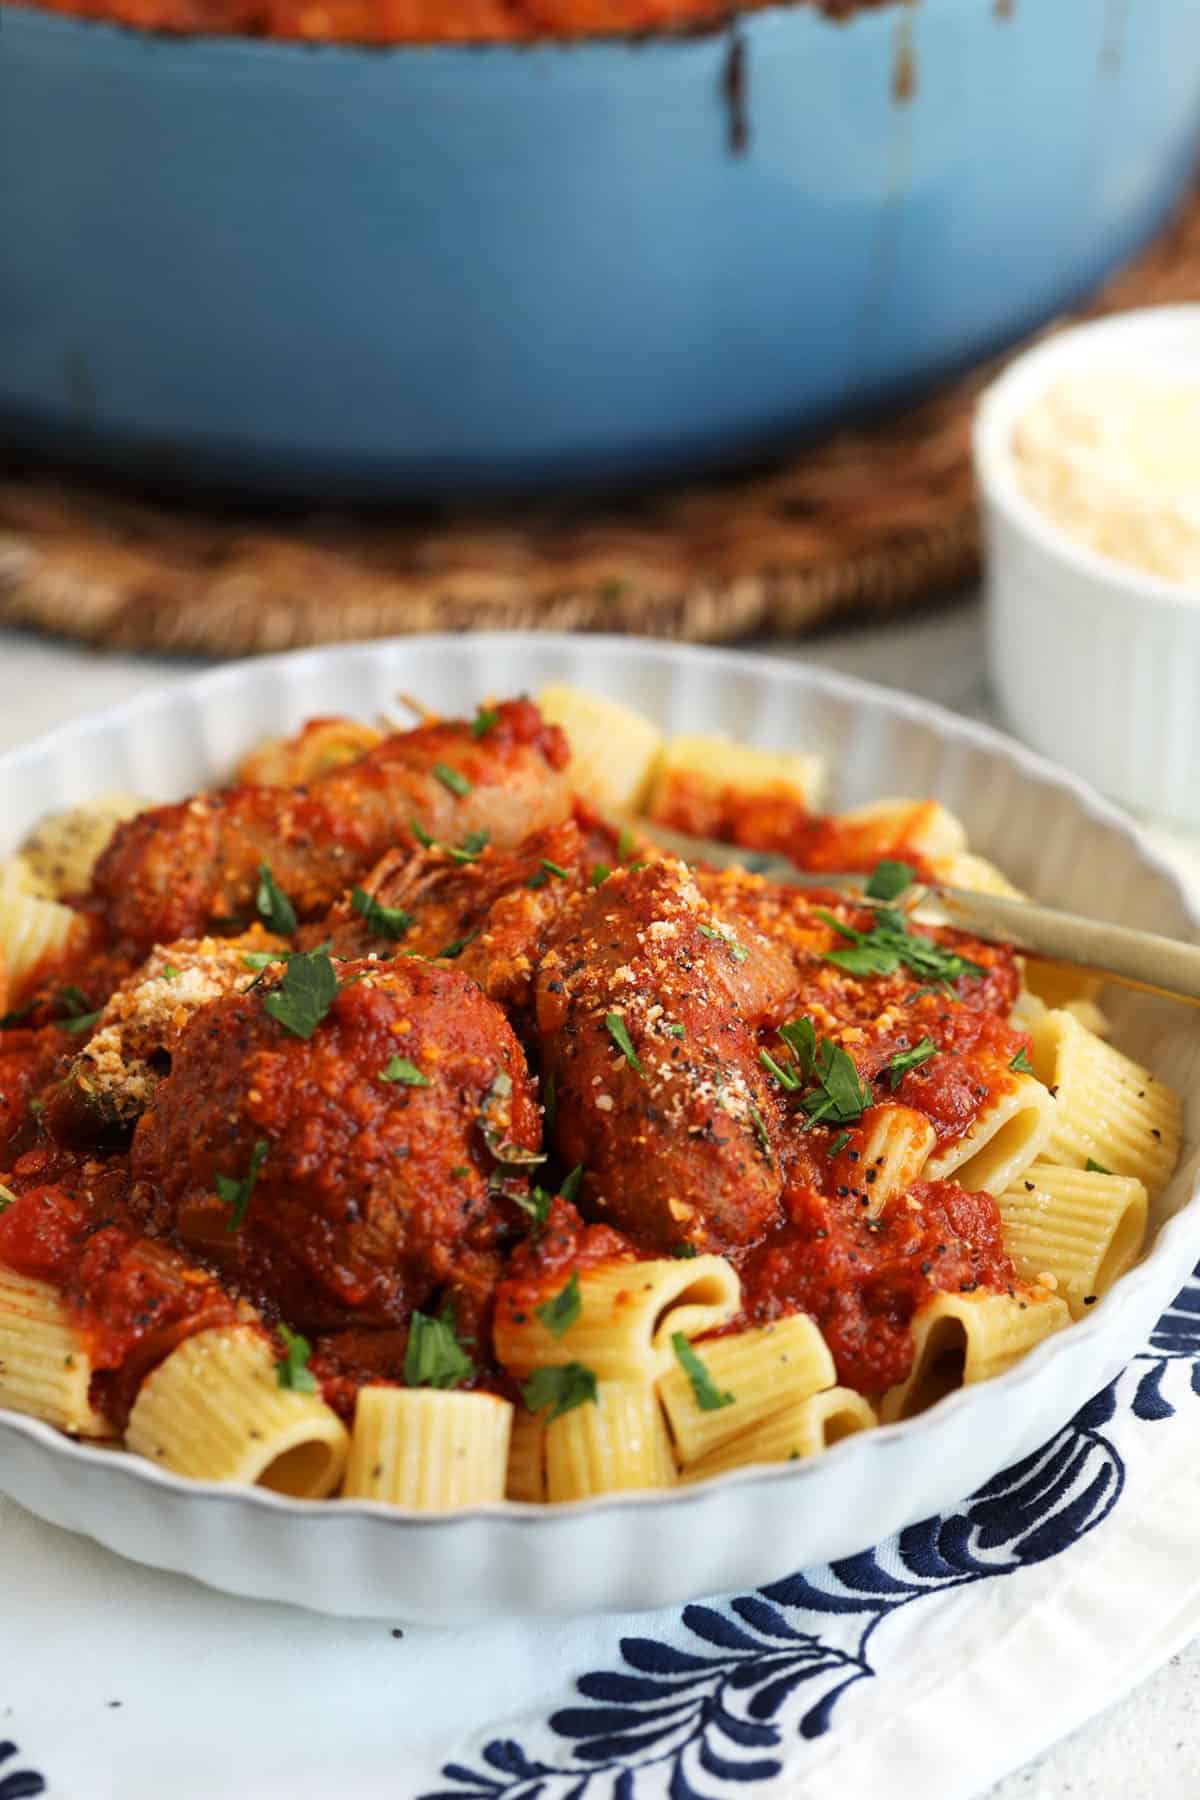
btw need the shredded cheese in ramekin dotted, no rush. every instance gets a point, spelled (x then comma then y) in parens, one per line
(1113, 458)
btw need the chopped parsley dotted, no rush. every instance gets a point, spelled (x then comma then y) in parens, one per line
(1096, 1168)
(82, 1021)
(760, 1131)
(800, 1036)
(537, 1202)
(292, 1370)
(400, 1070)
(709, 1397)
(570, 1186)
(553, 868)
(839, 1144)
(538, 880)
(560, 1313)
(888, 879)
(459, 945)
(600, 874)
(904, 1060)
(235, 1194)
(168, 972)
(675, 1030)
(422, 836)
(840, 1095)
(788, 1079)
(1020, 1064)
(306, 993)
(388, 921)
(461, 1172)
(471, 848)
(890, 945)
(485, 720)
(434, 1357)
(738, 951)
(683, 1252)
(451, 779)
(274, 908)
(835, 1092)
(562, 1390)
(615, 1026)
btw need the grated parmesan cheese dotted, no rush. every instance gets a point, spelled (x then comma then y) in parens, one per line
(1113, 458)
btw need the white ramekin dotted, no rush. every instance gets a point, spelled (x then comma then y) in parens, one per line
(1094, 663)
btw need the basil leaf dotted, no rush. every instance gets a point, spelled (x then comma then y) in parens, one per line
(600, 874)
(1020, 1064)
(561, 1389)
(236, 1193)
(274, 908)
(709, 1397)
(292, 1370)
(559, 1314)
(485, 720)
(434, 1357)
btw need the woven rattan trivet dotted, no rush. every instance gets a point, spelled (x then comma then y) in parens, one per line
(872, 519)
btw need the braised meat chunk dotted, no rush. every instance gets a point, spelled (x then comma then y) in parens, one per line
(176, 871)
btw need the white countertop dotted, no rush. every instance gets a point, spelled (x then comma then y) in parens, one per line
(1149, 1744)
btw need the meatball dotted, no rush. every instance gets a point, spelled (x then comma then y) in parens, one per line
(659, 1092)
(342, 1179)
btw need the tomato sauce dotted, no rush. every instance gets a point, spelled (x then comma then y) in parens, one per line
(396, 1175)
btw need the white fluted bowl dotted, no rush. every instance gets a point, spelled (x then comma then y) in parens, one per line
(361, 1559)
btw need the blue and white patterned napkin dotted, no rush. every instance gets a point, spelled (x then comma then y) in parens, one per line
(926, 1668)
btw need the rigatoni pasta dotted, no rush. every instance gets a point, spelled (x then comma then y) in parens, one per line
(404, 1127)
(45, 1369)
(1109, 1110)
(428, 1450)
(627, 1313)
(1083, 1227)
(215, 1410)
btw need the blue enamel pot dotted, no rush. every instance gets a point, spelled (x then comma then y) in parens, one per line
(331, 271)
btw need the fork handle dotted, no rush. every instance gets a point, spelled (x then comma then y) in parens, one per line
(1137, 959)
